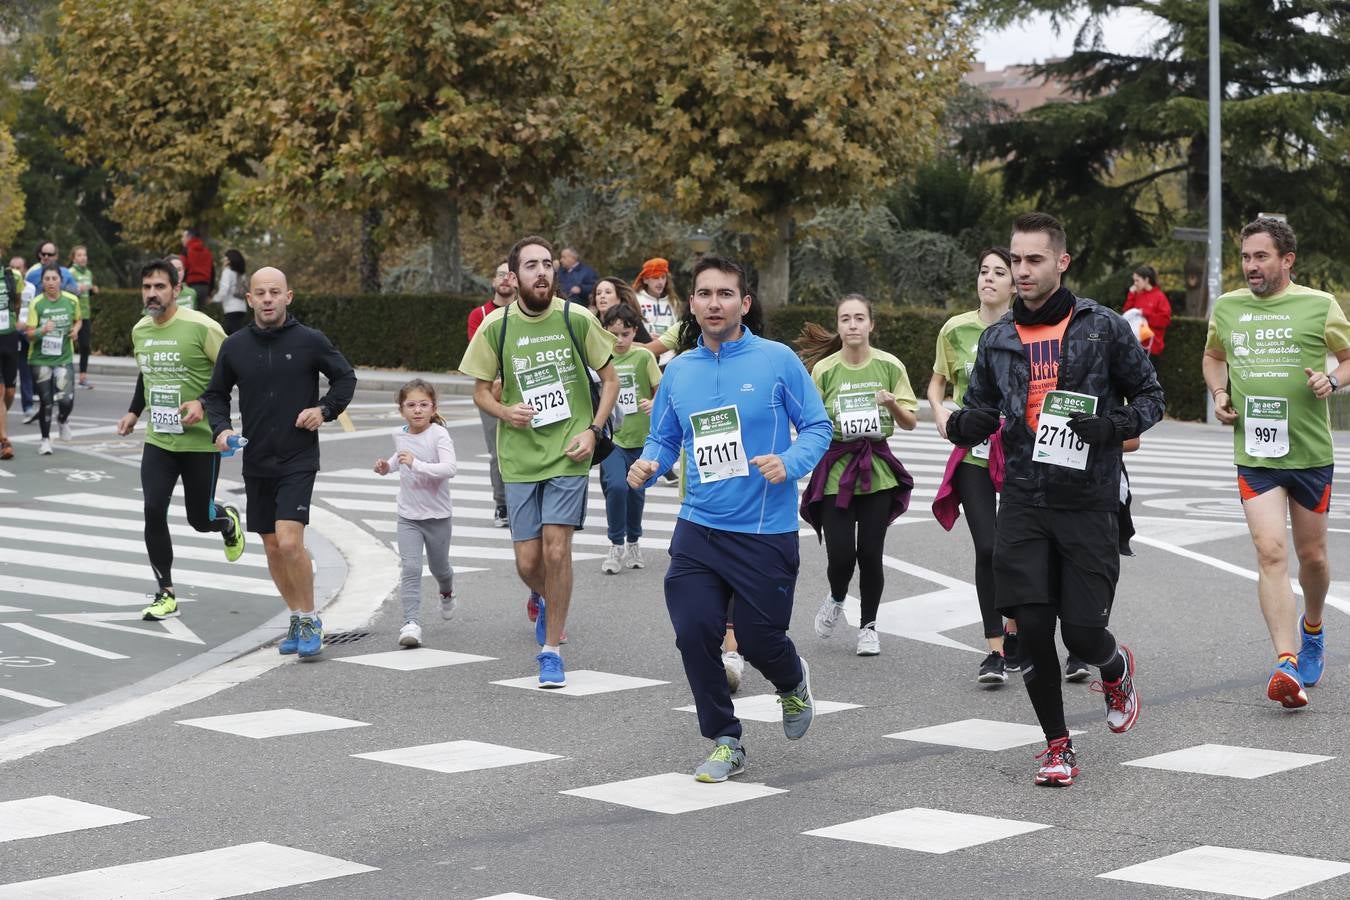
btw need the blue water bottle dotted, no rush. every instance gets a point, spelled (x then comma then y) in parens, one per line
(234, 442)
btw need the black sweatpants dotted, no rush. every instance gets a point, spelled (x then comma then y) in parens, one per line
(85, 342)
(160, 471)
(976, 490)
(856, 535)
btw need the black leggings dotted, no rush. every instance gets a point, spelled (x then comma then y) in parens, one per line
(55, 386)
(160, 471)
(976, 490)
(857, 534)
(85, 339)
(1040, 660)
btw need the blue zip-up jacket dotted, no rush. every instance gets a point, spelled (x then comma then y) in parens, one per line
(771, 390)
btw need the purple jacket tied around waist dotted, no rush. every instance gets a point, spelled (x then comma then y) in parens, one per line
(947, 503)
(857, 475)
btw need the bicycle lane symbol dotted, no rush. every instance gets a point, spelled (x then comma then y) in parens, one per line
(26, 662)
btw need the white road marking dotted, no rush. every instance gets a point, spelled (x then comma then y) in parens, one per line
(30, 699)
(42, 816)
(173, 629)
(209, 875)
(60, 641)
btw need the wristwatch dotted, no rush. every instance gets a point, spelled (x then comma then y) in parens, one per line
(1335, 384)
(599, 432)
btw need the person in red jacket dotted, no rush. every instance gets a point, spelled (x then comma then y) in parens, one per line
(198, 264)
(1149, 299)
(503, 294)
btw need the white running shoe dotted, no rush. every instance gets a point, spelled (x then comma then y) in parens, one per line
(448, 606)
(63, 429)
(613, 561)
(410, 635)
(734, 663)
(632, 556)
(45, 448)
(828, 616)
(869, 644)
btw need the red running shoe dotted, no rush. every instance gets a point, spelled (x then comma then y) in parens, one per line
(1059, 766)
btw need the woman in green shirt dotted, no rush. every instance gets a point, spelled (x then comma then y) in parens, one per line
(53, 320)
(956, 345)
(79, 267)
(859, 488)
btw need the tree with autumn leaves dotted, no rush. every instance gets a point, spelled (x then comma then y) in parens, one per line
(434, 110)
(766, 111)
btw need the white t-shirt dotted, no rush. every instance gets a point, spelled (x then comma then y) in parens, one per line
(424, 489)
(658, 312)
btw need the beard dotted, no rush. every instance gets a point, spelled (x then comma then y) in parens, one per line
(536, 300)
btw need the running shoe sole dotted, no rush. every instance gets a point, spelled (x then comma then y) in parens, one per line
(1079, 675)
(705, 778)
(991, 678)
(1286, 691)
(1057, 780)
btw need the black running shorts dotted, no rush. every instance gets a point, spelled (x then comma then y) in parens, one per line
(1064, 557)
(284, 497)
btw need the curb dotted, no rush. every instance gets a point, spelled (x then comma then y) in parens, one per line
(348, 599)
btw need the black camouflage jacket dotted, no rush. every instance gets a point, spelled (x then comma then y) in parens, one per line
(1099, 355)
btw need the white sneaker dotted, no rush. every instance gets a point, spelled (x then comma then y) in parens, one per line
(410, 635)
(448, 606)
(614, 561)
(63, 429)
(734, 663)
(45, 448)
(632, 556)
(828, 616)
(869, 644)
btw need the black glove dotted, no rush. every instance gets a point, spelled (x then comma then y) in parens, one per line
(968, 427)
(1093, 430)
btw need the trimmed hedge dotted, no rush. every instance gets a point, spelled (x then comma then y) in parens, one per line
(427, 332)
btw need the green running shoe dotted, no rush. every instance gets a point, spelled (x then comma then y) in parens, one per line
(164, 607)
(234, 541)
(726, 760)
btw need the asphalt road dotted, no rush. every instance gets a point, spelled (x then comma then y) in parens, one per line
(530, 797)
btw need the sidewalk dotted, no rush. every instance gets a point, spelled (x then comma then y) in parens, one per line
(448, 383)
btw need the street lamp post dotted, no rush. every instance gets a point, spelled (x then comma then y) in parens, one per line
(1215, 179)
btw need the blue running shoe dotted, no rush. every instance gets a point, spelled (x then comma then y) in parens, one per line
(541, 624)
(551, 674)
(311, 638)
(1286, 687)
(291, 642)
(1311, 656)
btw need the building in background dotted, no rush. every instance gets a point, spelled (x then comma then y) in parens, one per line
(1017, 87)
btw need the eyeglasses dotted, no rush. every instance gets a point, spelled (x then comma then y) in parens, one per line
(45, 253)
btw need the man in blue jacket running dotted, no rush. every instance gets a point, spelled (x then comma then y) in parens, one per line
(728, 404)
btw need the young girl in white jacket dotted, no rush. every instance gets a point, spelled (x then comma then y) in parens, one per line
(424, 457)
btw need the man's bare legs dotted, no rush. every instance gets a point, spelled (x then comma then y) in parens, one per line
(289, 563)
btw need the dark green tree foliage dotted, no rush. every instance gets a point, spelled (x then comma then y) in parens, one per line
(1286, 73)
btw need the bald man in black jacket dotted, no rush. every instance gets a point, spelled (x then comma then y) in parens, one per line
(276, 363)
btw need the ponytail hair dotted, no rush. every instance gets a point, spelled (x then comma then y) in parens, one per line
(815, 343)
(417, 384)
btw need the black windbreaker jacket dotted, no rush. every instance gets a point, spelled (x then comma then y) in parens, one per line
(1099, 355)
(277, 371)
